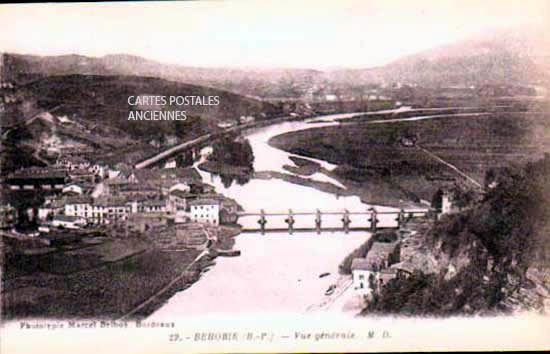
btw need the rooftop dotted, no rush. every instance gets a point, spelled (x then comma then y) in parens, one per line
(178, 174)
(155, 202)
(78, 199)
(67, 218)
(360, 264)
(379, 253)
(181, 194)
(111, 201)
(205, 202)
(137, 187)
(39, 172)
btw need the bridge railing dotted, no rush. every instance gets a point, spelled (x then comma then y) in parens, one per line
(347, 222)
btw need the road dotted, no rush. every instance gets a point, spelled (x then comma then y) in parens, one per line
(163, 290)
(172, 150)
(166, 153)
(431, 154)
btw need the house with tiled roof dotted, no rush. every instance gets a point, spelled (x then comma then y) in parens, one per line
(373, 269)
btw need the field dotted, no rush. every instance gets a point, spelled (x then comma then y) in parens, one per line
(474, 144)
(104, 292)
(99, 277)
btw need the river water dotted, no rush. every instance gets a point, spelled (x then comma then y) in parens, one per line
(276, 272)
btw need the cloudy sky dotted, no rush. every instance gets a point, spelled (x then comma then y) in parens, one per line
(263, 33)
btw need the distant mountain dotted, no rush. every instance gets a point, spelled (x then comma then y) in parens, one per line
(512, 56)
(250, 82)
(517, 57)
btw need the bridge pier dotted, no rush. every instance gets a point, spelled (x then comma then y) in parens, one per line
(318, 222)
(373, 220)
(371, 216)
(346, 221)
(262, 221)
(400, 219)
(290, 222)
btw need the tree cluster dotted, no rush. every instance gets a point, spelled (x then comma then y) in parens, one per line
(503, 235)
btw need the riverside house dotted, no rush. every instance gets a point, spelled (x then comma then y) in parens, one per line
(205, 211)
(374, 268)
(68, 222)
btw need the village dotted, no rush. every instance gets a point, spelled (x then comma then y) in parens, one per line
(80, 195)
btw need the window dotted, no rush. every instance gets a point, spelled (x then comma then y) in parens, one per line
(361, 277)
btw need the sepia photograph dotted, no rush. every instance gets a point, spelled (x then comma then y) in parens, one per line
(274, 176)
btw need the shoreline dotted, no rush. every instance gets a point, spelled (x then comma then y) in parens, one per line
(185, 280)
(130, 273)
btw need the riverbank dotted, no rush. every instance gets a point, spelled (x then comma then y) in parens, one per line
(377, 192)
(225, 169)
(110, 289)
(276, 273)
(383, 160)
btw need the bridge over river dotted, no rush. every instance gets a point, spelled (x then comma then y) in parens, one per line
(318, 220)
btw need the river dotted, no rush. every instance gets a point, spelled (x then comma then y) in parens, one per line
(276, 272)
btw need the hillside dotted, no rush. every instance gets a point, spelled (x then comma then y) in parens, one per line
(251, 82)
(104, 99)
(92, 111)
(506, 56)
(491, 258)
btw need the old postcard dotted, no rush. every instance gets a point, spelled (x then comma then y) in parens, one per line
(275, 176)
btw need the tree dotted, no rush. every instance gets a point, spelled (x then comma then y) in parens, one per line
(462, 197)
(437, 199)
(372, 282)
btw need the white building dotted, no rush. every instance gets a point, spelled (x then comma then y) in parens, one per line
(153, 206)
(206, 151)
(80, 206)
(246, 119)
(182, 187)
(68, 222)
(361, 271)
(51, 208)
(74, 188)
(448, 205)
(373, 270)
(98, 170)
(226, 124)
(170, 164)
(205, 211)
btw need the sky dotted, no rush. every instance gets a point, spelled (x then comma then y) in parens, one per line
(258, 34)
